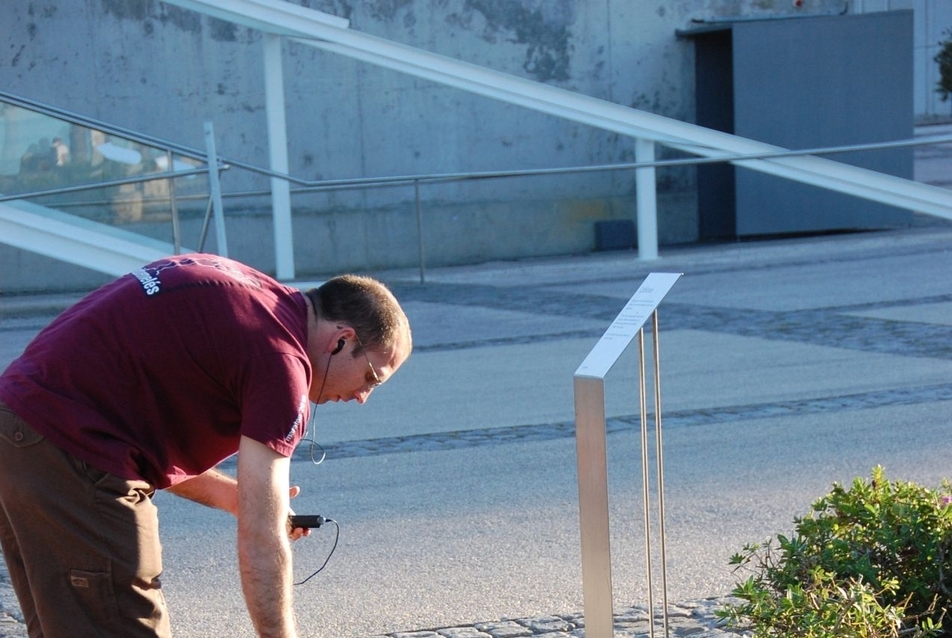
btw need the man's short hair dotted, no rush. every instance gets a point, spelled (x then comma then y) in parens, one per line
(364, 304)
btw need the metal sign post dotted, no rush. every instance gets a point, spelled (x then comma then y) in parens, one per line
(591, 453)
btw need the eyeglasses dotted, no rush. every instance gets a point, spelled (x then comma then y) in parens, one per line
(373, 371)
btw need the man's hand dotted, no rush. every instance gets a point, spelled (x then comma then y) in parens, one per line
(296, 533)
(264, 551)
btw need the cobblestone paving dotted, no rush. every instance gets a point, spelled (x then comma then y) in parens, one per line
(836, 326)
(708, 416)
(11, 621)
(694, 618)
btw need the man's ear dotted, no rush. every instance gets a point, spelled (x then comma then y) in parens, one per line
(341, 336)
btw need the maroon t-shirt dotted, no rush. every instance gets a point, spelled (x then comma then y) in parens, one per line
(157, 375)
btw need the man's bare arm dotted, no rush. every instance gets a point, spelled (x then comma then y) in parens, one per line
(213, 488)
(264, 551)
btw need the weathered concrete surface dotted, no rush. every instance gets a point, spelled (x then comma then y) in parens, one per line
(161, 70)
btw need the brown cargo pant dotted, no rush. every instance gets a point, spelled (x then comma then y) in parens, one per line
(82, 546)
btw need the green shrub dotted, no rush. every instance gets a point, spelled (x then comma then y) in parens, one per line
(873, 561)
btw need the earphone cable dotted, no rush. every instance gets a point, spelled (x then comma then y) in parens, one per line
(310, 436)
(331, 553)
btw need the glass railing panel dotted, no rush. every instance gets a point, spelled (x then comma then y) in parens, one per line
(42, 156)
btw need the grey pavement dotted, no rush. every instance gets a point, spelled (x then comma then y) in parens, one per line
(787, 365)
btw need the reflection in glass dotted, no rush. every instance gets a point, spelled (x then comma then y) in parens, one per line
(40, 153)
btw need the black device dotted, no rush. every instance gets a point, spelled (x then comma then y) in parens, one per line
(340, 346)
(306, 521)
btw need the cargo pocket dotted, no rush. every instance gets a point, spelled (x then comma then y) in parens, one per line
(96, 597)
(16, 431)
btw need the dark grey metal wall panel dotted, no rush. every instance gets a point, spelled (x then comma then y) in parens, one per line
(715, 109)
(827, 81)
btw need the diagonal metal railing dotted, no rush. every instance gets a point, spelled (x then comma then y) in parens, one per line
(59, 237)
(280, 20)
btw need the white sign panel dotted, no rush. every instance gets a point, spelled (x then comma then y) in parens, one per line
(627, 324)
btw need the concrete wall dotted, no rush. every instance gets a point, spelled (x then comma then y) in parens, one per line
(158, 69)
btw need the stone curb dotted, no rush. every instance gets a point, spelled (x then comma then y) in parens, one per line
(693, 618)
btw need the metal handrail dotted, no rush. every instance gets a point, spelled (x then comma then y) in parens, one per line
(432, 178)
(151, 177)
(305, 186)
(402, 180)
(342, 184)
(142, 138)
(99, 125)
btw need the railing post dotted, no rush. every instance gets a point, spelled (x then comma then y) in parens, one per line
(593, 506)
(173, 206)
(659, 455)
(419, 222)
(647, 200)
(215, 187)
(278, 156)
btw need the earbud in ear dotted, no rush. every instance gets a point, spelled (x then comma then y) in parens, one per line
(340, 346)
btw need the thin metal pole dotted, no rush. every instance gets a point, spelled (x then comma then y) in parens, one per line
(419, 223)
(204, 236)
(660, 454)
(642, 395)
(173, 207)
(215, 187)
(646, 196)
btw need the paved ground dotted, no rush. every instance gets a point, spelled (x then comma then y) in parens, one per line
(787, 365)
